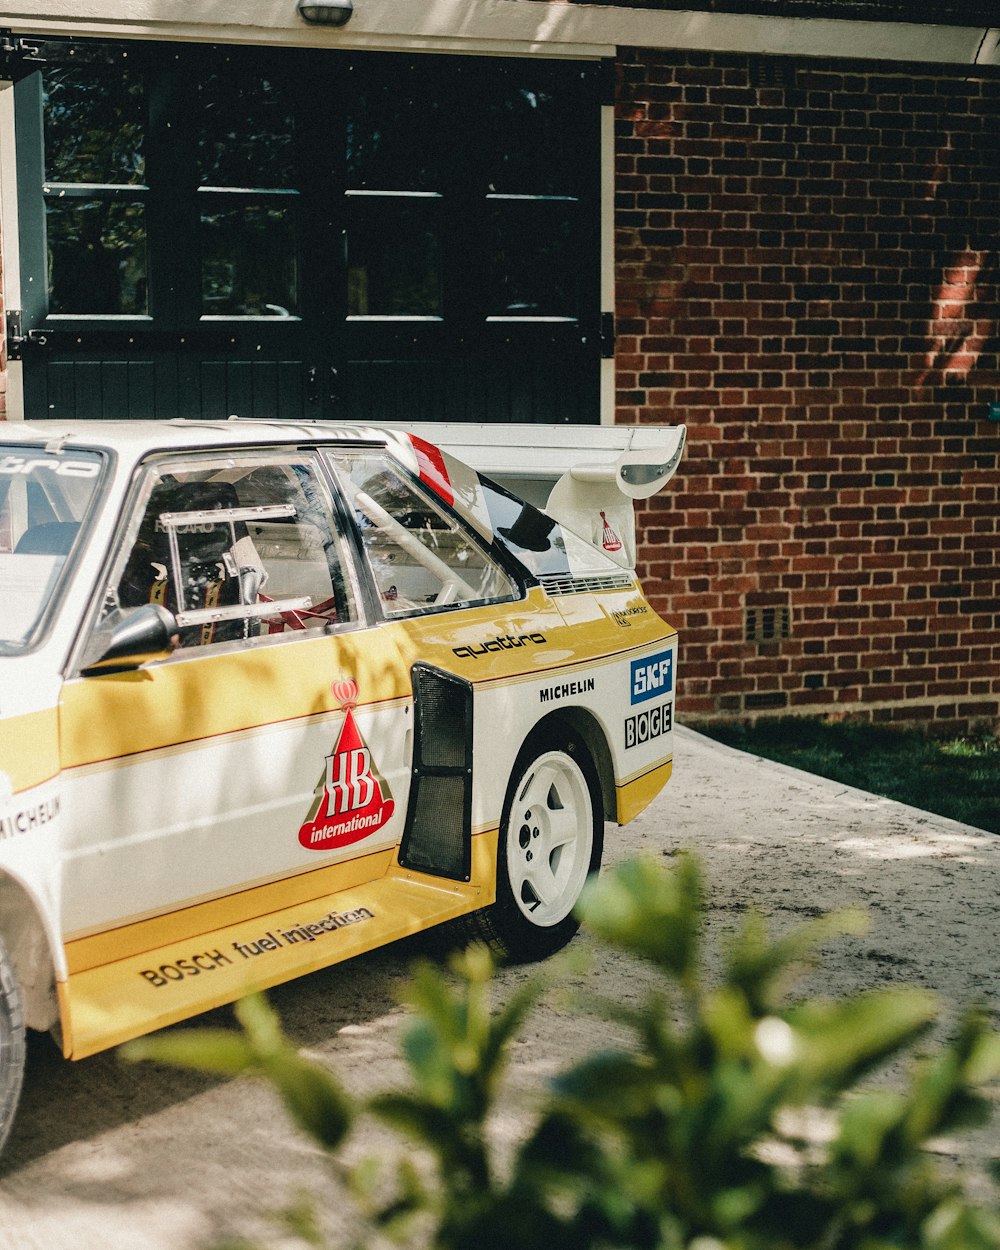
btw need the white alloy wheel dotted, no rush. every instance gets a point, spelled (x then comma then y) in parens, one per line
(549, 838)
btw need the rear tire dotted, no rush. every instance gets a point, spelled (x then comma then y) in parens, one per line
(551, 840)
(12, 1048)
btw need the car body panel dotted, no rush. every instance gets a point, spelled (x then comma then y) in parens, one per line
(225, 818)
(113, 1002)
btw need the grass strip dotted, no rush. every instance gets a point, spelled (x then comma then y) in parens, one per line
(953, 776)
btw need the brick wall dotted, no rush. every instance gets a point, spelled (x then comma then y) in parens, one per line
(807, 275)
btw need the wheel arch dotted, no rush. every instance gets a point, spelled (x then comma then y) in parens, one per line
(28, 944)
(585, 725)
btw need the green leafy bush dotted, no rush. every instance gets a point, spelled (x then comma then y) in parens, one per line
(696, 1135)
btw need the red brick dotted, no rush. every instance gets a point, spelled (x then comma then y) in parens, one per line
(838, 457)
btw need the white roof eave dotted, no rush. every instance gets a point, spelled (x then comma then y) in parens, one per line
(512, 27)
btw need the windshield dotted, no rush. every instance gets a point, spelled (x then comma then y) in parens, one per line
(44, 497)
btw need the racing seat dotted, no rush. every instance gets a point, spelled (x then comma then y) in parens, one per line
(209, 575)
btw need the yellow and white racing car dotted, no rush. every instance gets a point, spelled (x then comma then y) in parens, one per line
(272, 695)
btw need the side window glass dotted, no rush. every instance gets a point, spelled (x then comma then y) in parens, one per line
(238, 549)
(420, 557)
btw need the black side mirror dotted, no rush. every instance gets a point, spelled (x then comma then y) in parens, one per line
(129, 637)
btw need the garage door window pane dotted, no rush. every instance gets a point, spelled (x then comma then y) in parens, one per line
(534, 259)
(248, 262)
(94, 127)
(97, 257)
(393, 257)
(246, 132)
(394, 138)
(527, 151)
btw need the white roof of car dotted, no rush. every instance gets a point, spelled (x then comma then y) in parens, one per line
(137, 437)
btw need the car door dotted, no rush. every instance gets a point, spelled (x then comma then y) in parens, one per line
(267, 761)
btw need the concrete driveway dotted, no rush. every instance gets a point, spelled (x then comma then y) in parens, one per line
(139, 1158)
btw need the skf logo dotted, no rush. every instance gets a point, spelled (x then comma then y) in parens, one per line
(652, 677)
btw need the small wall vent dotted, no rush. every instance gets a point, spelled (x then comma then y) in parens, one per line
(769, 623)
(772, 71)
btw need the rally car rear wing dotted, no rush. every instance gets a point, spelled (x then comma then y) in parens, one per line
(586, 477)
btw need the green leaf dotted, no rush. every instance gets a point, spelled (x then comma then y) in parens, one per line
(611, 1085)
(312, 1096)
(261, 1024)
(505, 1025)
(762, 970)
(220, 1051)
(650, 911)
(431, 1060)
(302, 1221)
(942, 1100)
(729, 1023)
(840, 1041)
(983, 1063)
(957, 1226)
(560, 1152)
(427, 1124)
(865, 1124)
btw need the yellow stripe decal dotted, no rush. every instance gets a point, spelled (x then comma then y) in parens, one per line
(121, 714)
(29, 747)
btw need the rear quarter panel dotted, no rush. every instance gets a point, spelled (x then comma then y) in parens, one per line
(571, 656)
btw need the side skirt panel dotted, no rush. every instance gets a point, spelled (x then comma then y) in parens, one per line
(108, 1004)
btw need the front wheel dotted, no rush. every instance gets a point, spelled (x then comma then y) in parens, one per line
(551, 840)
(11, 1045)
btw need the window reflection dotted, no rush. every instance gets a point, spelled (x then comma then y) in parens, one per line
(393, 257)
(245, 132)
(393, 141)
(421, 559)
(248, 262)
(525, 132)
(97, 257)
(533, 259)
(94, 126)
(494, 160)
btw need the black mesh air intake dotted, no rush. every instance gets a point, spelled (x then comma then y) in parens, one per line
(437, 838)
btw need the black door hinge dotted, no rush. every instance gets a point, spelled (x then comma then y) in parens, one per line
(607, 335)
(15, 333)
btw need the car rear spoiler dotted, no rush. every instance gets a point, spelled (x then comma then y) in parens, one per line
(586, 477)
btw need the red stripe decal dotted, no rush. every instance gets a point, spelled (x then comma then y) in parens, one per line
(432, 470)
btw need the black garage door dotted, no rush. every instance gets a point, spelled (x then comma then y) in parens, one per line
(370, 236)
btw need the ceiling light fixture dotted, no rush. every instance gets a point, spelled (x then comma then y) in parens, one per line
(325, 12)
